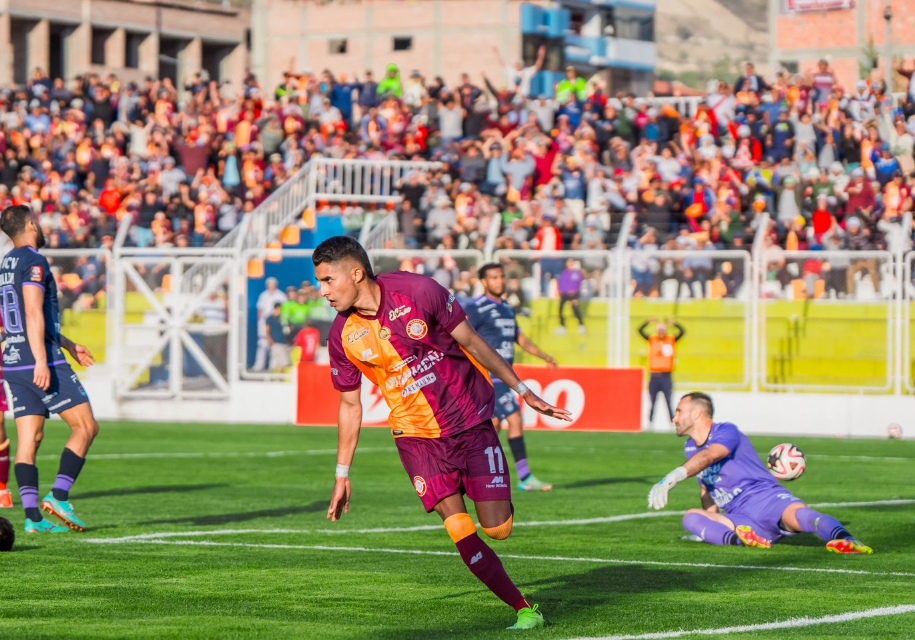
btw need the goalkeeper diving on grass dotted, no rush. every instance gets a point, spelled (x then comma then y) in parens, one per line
(742, 504)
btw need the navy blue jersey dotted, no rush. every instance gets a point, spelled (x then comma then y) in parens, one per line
(23, 267)
(495, 321)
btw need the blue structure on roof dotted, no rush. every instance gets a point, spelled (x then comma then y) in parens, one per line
(611, 36)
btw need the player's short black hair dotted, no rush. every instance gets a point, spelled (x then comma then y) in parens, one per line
(13, 219)
(704, 401)
(340, 248)
(7, 535)
(489, 266)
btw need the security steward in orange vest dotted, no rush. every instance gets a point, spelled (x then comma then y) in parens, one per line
(662, 349)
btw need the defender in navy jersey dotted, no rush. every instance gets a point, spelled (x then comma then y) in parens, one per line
(494, 319)
(742, 503)
(37, 372)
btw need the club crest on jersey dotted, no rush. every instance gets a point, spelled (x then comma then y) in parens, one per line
(420, 485)
(402, 310)
(355, 335)
(384, 333)
(36, 274)
(417, 329)
(450, 304)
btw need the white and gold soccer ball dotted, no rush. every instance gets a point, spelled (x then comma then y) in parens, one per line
(894, 431)
(786, 461)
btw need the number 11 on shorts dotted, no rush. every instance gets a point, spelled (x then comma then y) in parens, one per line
(492, 453)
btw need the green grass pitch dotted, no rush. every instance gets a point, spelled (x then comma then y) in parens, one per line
(591, 579)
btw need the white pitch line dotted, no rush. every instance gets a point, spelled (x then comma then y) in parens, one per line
(436, 527)
(792, 623)
(420, 552)
(220, 454)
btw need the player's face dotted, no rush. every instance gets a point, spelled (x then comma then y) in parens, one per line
(683, 417)
(337, 283)
(494, 283)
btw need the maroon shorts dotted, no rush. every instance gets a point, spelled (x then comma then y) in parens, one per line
(470, 462)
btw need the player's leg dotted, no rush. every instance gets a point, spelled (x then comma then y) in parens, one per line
(576, 309)
(527, 481)
(486, 479)
(29, 433)
(83, 429)
(715, 528)
(798, 518)
(6, 499)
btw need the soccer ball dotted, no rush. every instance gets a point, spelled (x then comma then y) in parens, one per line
(7, 535)
(786, 462)
(894, 431)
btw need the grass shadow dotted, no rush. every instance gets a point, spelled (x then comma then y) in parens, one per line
(229, 518)
(597, 482)
(177, 488)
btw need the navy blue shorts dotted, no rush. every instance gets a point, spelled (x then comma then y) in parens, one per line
(64, 392)
(506, 400)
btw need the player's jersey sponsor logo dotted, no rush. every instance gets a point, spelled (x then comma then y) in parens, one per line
(402, 310)
(420, 485)
(417, 329)
(477, 557)
(413, 387)
(722, 498)
(12, 355)
(8, 278)
(356, 335)
(420, 367)
(385, 333)
(368, 355)
(36, 274)
(711, 474)
(15, 339)
(400, 365)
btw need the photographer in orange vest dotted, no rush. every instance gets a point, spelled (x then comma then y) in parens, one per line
(662, 350)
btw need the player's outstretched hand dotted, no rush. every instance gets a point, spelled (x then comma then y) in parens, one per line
(657, 497)
(82, 355)
(546, 408)
(339, 499)
(42, 376)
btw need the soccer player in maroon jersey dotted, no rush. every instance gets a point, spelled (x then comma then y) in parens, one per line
(409, 336)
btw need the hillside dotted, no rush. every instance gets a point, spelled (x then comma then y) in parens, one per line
(699, 39)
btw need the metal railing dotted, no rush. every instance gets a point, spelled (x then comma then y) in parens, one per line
(320, 181)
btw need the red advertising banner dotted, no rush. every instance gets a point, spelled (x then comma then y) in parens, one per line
(599, 399)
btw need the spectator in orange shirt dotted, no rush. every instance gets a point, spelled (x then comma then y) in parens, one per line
(661, 353)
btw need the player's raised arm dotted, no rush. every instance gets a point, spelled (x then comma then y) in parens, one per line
(477, 347)
(349, 422)
(33, 299)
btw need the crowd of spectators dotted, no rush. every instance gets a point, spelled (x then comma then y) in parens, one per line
(832, 165)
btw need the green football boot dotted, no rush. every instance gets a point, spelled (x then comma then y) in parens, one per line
(529, 618)
(63, 510)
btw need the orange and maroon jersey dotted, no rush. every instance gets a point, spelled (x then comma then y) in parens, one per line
(433, 387)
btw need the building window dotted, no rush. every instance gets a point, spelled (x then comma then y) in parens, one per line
(336, 46)
(99, 42)
(132, 42)
(790, 66)
(632, 24)
(404, 43)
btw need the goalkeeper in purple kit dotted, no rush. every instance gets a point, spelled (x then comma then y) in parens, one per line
(742, 504)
